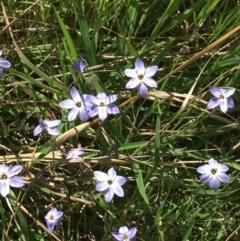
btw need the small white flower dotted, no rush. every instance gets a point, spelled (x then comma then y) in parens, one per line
(110, 183)
(8, 178)
(125, 234)
(74, 154)
(53, 217)
(214, 173)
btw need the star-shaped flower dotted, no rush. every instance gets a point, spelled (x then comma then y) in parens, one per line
(78, 105)
(221, 98)
(3, 65)
(8, 178)
(79, 66)
(141, 77)
(110, 183)
(214, 173)
(53, 217)
(102, 105)
(74, 154)
(125, 234)
(49, 125)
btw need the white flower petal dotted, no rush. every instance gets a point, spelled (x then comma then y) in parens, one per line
(16, 182)
(4, 187)
(151, 70)
(109, 195)
(131, 73)
(14, 170)
(75, 95)
(139, 67)
(67, 104)
(100, 176)
(132, 83)
(102, 186)
(102, 113)
(117, 189)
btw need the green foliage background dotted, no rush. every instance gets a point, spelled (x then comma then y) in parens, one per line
(157, 142)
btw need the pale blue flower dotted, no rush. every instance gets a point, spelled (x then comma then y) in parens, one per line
(8, 178)
(214, 173)
(102, 105)
(79, 66)
(109, 183)
(53, 218)
(141, 77)
(74, 154)
(221, 98)
(3, 65)
(79, 105)
(49, 125)
(125, 234)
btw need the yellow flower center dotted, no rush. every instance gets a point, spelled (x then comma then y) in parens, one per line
(221, 97)
(213, 171)
(125, 237)
(102, 104)
(140, 77)
(51, 217)
(4, 177)
(110, 182)
(79, 104)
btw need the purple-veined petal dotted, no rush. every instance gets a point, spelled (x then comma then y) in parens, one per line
(120, 180)
(131, 73)
(112, 109)
(214, 183)
(73, 113)
(117, 189)
(102, 186)
(213, 163)
(142, 89)
(101, 96)
(3, 169)
(52, 123)
(213, 102)
(75, 95)
(53, 131)
(123, 230)
(112, 173)
(215, 92)
(151, 70)
(16, 182)
(204, 169)
(50, 225)
(205, 177)
(223, 105)
(100, 176)
(102, 113)
(67, 104)
(4, 63)
(109, 99)
(222, 168)
(93, 111)
(228, 92)
(93, 99)
(109, 195)
(14, 170)
(139, 67)
(230, 102)
(150, 82)
(1, 72)
(132, 83)
(83, 115)
(4, 187)
(37, 130)
(58, 215)
(118, 236)
(222, 177)
(79, 66)
(132, 232)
